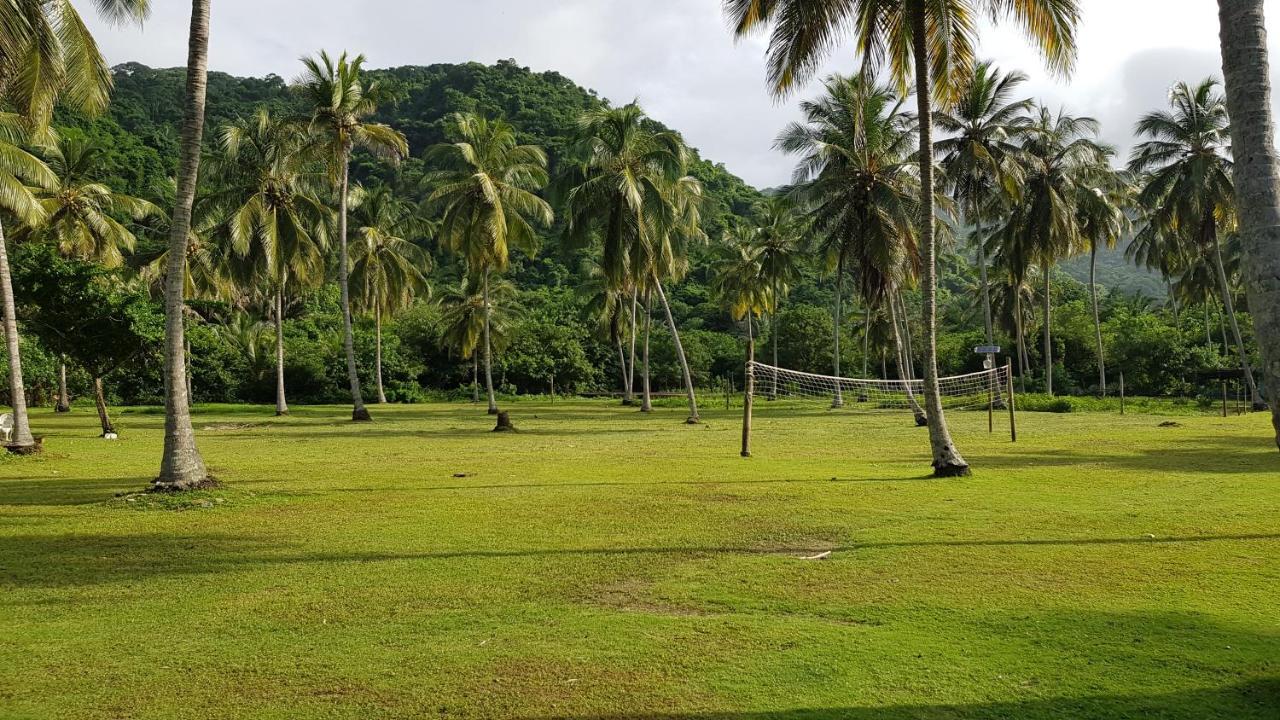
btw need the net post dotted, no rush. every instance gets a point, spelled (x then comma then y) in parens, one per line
(748, 390)
(992, 378)
(1121, 392)
(1013, 422)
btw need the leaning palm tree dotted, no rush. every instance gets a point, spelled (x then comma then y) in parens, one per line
(17, 168)
(181, 466)
(932, 42)
(485, 187)
(859, 185)
(80, 216)
(980, 156)
(339, 102)
(1257, 176)
(1187, 187)
(388, 271)
(268, 211)
(1059, 153)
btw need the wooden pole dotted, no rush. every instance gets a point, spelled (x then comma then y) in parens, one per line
(1121, 392)
(1224, 398)
(749, 387)
(992, 379)
(1013, 422)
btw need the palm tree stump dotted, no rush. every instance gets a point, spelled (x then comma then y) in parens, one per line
(361, 414)
(32, 449)
(504, 422)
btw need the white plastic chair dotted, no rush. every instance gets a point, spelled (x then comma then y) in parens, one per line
(6, 426)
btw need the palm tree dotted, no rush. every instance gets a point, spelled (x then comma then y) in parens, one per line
(738, 277)
(485, 188)
(781, 247)
(17, 168)
(932, 41)
(181, 466)
(859, 185)
(271, 215)
(1101, 214)
(619, 188)
(1187, 186)
(606, 309)
(80, 216)
(980, 158)
(464, 317)
(340, 101)
(1058, 153)
(1257, 174)
(250, 337)
(387, 270)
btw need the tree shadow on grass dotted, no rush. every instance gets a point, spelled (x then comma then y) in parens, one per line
(1258, 698)
(1210, 454)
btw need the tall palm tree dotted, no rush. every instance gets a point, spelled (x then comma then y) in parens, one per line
(605, 307)
(388, 271)
(620, 187)
(932, 42)
(1257, 176)
(1058, 153)
(340, 102)
(1187, 187)
(465, 313)
(485, 185)
(980, 158)
(738, 277)
(781, 247)
(270, 214)
(18, 168)
(181, 466)
(80, 216)
(1103, 199)
(860, 189)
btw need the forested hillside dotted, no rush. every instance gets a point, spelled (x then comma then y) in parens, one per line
(548, 332)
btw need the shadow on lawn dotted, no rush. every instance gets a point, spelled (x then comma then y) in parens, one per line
(39, 560)
(1214, 454)
(1254, 699)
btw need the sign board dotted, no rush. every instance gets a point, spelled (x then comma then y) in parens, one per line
(987, 350)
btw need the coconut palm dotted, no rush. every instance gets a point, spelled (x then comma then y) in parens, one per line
(388, 271)
(339, 102)
(859, 187)
(781, 247)
(1257, 176)
(617, 189)
(932, 42)
(606, 309)
(269, 214)
(1187, 187)
(1059, 153)
(484, 186)
(738, 277)
(465, 313)
(1103, 198)
(251, 338)
(181, 466)
(980, 158)
(80, 216)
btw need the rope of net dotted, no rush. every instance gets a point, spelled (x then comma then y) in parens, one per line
(959, 392)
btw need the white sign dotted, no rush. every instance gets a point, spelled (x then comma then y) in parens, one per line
(987, 350)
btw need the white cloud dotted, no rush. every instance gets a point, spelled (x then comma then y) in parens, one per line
(675, 55)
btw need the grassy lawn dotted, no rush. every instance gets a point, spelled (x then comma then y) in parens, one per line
(603, 564)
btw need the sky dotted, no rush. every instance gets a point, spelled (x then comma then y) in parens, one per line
(676, 56)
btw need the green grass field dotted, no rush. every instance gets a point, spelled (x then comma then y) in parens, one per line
(604, 564)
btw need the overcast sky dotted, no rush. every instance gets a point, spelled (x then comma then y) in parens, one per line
(676, 56)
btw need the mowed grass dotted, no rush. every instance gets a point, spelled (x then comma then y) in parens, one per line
(605, 564)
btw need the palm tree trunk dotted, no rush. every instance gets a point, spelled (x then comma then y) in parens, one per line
(684, 362)
(1208, 319)
(909, 348)
(488, 350)
(947, 461)
(904, 367)
(282, 406)
(1017, 327)
(100, 400)
(1048, 336)
(359, 413)
(773, 331)
(988, 322)
(1173, 301)
(377, 352)
(838, 400)
(622, 366)
(186, 359)
(866, 340)
(1229, 308)
(64, 398)
(475, 377)
(1257, 177)
(181, 467)
(629, 367)
(1097, 320)
(646, 400)
(23, 441)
